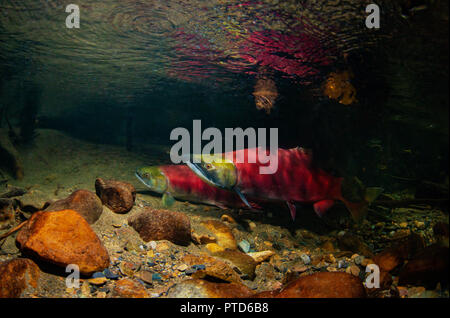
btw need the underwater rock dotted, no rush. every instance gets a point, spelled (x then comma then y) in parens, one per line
(324, 285)
(224, 235)
(350, 242)
(260, 257)
(242, 262)
(18, 277)
(85, 202)
(198, 288)
(395, 255)
(128, 288)
(63, 238)
(12, 191)
(155, 225)
(118, 196)
(6, 213)
(213, 268)
(427, 267)
(389, 259)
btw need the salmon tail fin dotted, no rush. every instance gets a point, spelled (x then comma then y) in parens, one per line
(357, 198)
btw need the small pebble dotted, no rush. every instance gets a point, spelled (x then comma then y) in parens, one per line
(305, 258)
(109, 274)
(244, 246)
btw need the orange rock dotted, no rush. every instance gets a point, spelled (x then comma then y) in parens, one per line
(243, 262)
(128, 288)
(118, 196)
(213, 267)
(198, 288)
(85, 202)
(155, 225)
(389, 259)
(223, 233)
(18, 277)
(62, 238)
(324, 285)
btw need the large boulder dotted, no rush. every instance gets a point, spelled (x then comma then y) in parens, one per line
(63, 238)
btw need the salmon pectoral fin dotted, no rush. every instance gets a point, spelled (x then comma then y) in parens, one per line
(321, 207)
(167, 200)
(292, 209)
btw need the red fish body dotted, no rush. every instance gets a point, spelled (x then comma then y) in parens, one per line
(186, 185)
(295, 179)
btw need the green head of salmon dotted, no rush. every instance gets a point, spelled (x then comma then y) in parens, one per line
(153, 178)
(215, 170)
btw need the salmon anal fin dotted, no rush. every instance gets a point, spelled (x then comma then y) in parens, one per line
(323, 206)
(292, 209)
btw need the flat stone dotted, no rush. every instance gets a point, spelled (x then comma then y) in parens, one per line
(213, 268)
(128, 288)
(324, 285)
(198, 288)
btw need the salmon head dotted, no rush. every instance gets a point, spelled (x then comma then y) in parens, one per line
(217, 171)
(153, 178)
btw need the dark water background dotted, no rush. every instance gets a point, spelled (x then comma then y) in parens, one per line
(135, 70)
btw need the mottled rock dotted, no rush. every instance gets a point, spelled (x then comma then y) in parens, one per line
(152, 224)
(198, 288)
(427, 267)
(118, 196)
(241, 262)
(128, 288)
(18, 278)
(62, 238)
(85, 202)
(224, 235)
(213, 268)
(324, 285)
